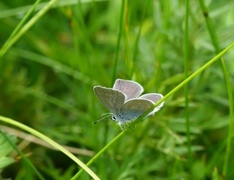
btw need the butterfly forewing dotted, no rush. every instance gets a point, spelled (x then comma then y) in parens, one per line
(130, 88)
(111, 99)
(132, 109)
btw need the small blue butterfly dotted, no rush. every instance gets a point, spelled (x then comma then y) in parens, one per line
(124, 101)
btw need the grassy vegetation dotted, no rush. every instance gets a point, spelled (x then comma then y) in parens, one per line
(53, 53)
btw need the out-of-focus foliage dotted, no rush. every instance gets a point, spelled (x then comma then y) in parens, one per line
(47, 79)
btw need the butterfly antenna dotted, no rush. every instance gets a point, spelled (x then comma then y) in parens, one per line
(105, 116)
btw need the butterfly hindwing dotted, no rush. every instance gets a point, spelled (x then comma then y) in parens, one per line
(130, 88)
(133, 108)
(154, 97)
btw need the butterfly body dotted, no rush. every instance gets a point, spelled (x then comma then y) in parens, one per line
(124, 102)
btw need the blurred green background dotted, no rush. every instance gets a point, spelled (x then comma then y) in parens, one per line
(47, 79)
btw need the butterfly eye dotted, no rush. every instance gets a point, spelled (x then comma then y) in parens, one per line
(113, 118)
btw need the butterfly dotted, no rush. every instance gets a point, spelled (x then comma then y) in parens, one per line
(124, 101)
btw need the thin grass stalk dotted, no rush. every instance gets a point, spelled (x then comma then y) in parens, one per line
(26, 27)
(98, 154)
(173, 91)
(201, 69)
(25, 159)
(118, 42)
(215, 41)
(21, 23)
(186, 87)
(135, 49)
(51, 142)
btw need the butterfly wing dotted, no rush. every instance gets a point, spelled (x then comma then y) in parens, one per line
(153, 97)
(111, 99)
(130, 88)
(132, 109)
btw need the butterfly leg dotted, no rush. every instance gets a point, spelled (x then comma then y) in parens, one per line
(123, 125)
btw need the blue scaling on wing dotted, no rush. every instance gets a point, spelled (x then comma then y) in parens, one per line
(132, 109)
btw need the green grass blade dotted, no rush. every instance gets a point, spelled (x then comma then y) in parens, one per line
(186, 87)
(182, 84)
(25, 28)
(226, 75)
(118, 42)
(50, 141)
(25, 159)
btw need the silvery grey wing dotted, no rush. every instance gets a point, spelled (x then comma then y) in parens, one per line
(130, 88)
(132, 109)
(154, 97)
(111, 99)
